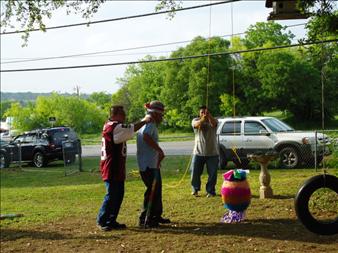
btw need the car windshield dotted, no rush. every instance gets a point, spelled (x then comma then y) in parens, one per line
(277, 126)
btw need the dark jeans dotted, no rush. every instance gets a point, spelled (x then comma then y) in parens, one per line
(197, 166)
(111, 203)
(153, 194)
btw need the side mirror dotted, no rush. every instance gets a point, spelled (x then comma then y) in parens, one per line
(264, 132)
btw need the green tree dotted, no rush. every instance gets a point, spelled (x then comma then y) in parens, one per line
(253, 100)
(141, 83)
(289, 83)
(4, 106)
(101, 99)
(80, 114)
(267, 33)
(195, 82)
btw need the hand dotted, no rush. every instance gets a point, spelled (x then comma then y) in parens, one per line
(203, 118)
(160, 158)
(147, 118)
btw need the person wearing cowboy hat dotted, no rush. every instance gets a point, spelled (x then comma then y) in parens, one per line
(149, 157)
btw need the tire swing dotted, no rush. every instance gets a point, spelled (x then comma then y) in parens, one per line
(302, 204)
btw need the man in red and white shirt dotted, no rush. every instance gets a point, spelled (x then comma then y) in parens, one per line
(113, 165)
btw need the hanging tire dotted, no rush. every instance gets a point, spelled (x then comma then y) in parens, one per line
(39, 160)
(289, 158)
(302, 204)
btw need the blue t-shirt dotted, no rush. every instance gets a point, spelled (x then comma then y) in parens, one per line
(147, 157)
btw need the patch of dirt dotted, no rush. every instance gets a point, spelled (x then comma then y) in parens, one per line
(82, 235)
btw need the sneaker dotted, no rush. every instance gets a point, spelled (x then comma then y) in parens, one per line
(104, 228)
(163, 220)
(149, 224)
(210, 195)
(195, 193)
(116, 225)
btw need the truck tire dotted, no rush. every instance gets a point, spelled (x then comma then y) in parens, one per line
(302, 204)
(4, 161)
(39, 160)
(222, 159)
(289, 158)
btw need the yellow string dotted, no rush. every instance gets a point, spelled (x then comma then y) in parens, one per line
(181, 180)
(208, 73)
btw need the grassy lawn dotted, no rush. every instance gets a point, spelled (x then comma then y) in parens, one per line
(59, 213)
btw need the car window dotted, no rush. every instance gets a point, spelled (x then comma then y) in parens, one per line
(29, 139)
(231, 128)
(19, 139)
(59, 136)
(253, 128)
(277, 126)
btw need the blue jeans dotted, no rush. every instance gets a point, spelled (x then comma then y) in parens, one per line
(111, 203)
(197, 166)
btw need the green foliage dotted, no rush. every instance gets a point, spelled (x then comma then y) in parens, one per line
(4, 106)
(80, 114)
(101, 99)
(262, 33)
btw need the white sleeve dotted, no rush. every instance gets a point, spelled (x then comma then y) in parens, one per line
(123, 132)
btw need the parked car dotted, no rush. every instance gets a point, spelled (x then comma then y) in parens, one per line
(41, 146)
(240, 136)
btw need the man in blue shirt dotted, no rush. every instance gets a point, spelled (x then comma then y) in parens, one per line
(149, 157)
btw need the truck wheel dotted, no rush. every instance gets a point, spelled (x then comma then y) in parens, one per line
(4, 162)
(245, 163)
(39, 160)
(289, 158)
(222, 160)
(302, 204)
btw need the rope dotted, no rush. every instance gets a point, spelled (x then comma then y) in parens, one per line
(181, 180)
(208, 73)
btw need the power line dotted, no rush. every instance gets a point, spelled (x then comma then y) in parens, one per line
(170, 59)
(125, 49)
(121, 18)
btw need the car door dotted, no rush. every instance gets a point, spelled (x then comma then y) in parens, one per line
(27, 147)
(256, 137)
(16, 148)
(230, 134)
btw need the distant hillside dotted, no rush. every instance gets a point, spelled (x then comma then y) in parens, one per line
(30, 96)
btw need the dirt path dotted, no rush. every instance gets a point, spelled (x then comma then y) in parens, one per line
(82, 235)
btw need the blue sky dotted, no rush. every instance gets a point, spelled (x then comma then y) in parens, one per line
(117, 35)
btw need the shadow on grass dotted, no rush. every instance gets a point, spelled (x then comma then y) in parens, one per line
(16, 234)
(272, 229)
(288, 196)
(275, 229)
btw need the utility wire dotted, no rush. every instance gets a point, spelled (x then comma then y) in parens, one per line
(170, 59)
(120, 18)
(125, 49)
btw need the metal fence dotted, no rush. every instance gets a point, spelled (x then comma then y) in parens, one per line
(72, 158)
(21, 154)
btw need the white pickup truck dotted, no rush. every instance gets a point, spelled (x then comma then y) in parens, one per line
(240, 136)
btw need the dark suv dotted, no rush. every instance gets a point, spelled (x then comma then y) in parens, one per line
(41, 146)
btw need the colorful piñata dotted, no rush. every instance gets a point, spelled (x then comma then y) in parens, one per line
(236, 195)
